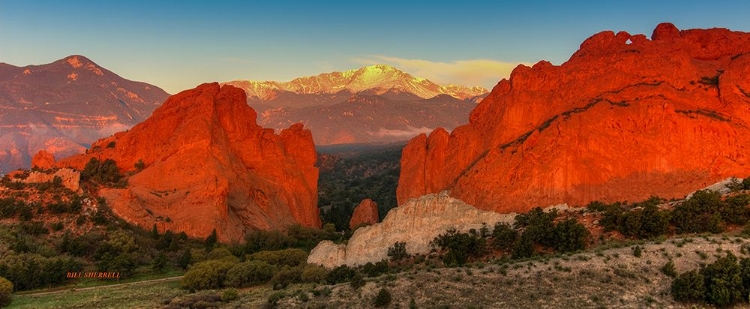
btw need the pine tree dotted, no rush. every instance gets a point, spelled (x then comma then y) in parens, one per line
(173, 245)
(211, 241)
(185, 259)
(160, 262)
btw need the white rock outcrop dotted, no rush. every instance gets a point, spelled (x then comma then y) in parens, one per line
(416, 223)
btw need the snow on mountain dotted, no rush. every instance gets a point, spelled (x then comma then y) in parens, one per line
(377, 79)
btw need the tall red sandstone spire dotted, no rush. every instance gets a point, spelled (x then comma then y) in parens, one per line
(209, 165)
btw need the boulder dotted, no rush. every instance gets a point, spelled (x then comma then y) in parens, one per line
(365, 213)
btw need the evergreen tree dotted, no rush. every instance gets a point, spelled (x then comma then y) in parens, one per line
(185, 259)
(160, 262)
(211, 241)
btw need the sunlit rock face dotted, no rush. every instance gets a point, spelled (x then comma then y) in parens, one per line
(64, 106)
(626, 117)
(365, 213)
(207, 165)
(415, 223)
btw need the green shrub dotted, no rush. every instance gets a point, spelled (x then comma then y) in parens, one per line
(723, 281)
(637, 251)
(596, 206)
(266, 241)
(274, 298)
(357, 281)
(25, 213)
(460, 246)
(31, 270)
(523, 248)
(250, 273)
(207, 275)
(700, 213)
(745, 274)
(383, 298)
(160, 262)
(688, 287)
(6, 292)
(105, 172)
(669, 269)
(229, 295)
(185, 259)
(570, 235)
(610, 220)
(654, 221)
(313, 274)
(220, 253)
(286, 257)
(33, 228)
(538, 226)
(286, 276)
(123, 263)
(377, 269)
(735, 210)
(630, 222)
(398, 252)
(503, 236)
(340, 274)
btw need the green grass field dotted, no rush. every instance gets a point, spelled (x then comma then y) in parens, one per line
(128, 295)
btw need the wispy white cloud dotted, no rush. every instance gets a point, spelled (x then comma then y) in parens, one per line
(482, 72)
(408, 133)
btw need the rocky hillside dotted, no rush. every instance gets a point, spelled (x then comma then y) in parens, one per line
(416, 224)
(201, 162)
(625, 118)
(64, 106)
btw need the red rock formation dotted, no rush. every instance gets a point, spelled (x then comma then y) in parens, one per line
(623, 119)
(69, 178)
(209, 165)
(365, 213)
(43, 160)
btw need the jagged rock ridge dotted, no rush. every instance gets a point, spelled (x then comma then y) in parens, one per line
(208, 165)
(625, 118)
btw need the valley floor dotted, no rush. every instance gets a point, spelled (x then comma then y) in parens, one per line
(609, 276)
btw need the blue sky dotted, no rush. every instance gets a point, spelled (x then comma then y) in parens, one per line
(179, 44)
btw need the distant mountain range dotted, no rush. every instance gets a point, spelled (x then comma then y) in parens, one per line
(64, 106)
(373, 104)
